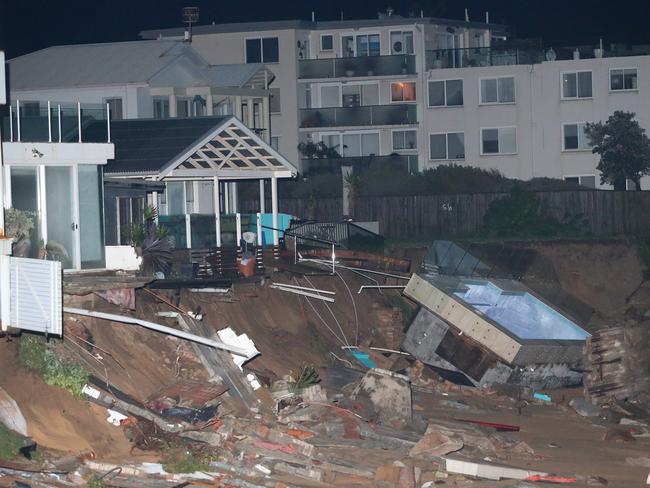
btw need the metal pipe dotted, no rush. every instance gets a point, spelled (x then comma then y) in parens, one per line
(305, 293)
(305, 288)
(363, 287)
(157, 327)
(49, 121)
(79, 119)
(18, 118)
(319, 261)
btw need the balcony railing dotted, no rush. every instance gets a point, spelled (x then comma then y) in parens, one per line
(401, 162)
(401, 64)
(500, 56)
(396, 114)
(56, 122)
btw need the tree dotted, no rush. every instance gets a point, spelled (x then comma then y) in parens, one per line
(624, 149)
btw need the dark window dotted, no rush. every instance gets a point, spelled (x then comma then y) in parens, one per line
(326, 42)
(263, 50)
(115, 107)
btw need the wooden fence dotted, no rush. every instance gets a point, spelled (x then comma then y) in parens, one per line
(605, 212)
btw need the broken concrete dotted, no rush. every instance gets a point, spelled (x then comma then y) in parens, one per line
(389, 395)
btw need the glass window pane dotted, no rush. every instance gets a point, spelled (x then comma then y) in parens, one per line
(206, 197)
(508, 140)
(24, 188)
(506, 90)
(351, 95)
(616, 79)
(182, 108)
(161, 107)
(253, 51)
(629, 79)
(270, 51)
(456, 144)
(326, 43)
(329, 96)
(438, 146)
(275, 142)
(436, 93)
(409, 92)
(408, 42)
(572, 179)
(570, 136)
(584, 84)
(362, 45)
(373, 45)
(398, 140)
(369, 144)
(396, 45)
(410, 139)
(588, 181)
(60, 236)
(396, 92)
(454, 92)
(351, 145)
(91, 226)
(370, 94)
(175, 198)
(347, 46)
(489, 90)
(569, 85)
(583, 140)
(490, 141)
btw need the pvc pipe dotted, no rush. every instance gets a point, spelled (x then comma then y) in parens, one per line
(285, 285)
(157, 327)
(363, 287)
(305, 293)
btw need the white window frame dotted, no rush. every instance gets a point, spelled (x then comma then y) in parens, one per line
(444, 81)
(392, 140)
(401, 32)
(348, 133)
(564, 177)
(446, 134)
(260, 38)
(390, 91)
(498, 153)
(354, 35)
(576, 72)
(635, 68)
(514, 87)
(564, 149)
(320, 44)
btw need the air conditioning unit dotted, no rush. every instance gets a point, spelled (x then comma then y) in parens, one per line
(397, 47)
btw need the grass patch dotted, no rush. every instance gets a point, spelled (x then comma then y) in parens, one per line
(10, 443)
(38, 356)
(183, 460)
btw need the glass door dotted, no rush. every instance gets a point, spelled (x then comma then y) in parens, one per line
(62, 225)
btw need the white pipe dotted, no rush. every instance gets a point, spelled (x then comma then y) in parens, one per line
(11, 123)
(59, 120)
(327, 263)
(363, 287)
(18, 118)
(160, 328)
(79, 119)
(305, 293)
(305, 288)
(108, 123)
(49, 121)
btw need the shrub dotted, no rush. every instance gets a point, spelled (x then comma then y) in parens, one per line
(307, 377)
(19, 223)
(10, 443)
(56, 370)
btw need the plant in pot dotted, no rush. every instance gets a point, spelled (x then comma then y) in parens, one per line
(19, 225)
(152, 243)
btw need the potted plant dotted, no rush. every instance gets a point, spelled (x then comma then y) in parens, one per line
(19, 225)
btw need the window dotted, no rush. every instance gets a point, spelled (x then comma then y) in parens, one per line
(497, 90)
(623, 79)
(445, 93)
(404, 140)
(574, 137)
(130, 211)
(353, 144)
(576, 85)
(402, 92)
(401, 42)
(222, 107)
(588, 181)
(357, 95)
(274, 103)
(326, 42)
(447, 146)
(182, 107)
(275, 142)
(114, 107)
(262, 50)
(330, 96)
(161, 107)
(361, 45)
(30, 109)
(502, 140)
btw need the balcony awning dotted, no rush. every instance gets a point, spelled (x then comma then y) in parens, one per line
(192, 148)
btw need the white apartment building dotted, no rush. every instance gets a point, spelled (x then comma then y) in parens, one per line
(435, 91)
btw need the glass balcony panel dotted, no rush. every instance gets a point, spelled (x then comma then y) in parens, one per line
(395, 114)
(348, 67)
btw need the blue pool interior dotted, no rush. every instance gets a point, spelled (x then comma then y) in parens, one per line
(519, 312)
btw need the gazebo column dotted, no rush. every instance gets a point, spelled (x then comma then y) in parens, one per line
(226, 198)
(234, 195)
(262, 197)
(274, 210)
(217, 221)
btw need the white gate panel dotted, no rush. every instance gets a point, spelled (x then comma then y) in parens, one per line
(36, 302)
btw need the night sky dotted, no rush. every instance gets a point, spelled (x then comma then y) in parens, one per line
(28, 25)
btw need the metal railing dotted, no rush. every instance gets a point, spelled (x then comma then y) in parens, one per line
(501, 56)
(400, 64)
(402, 162)
(395, 114)
(57, 122)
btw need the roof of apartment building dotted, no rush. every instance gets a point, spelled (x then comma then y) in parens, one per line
(383, 20)
(122, 63)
